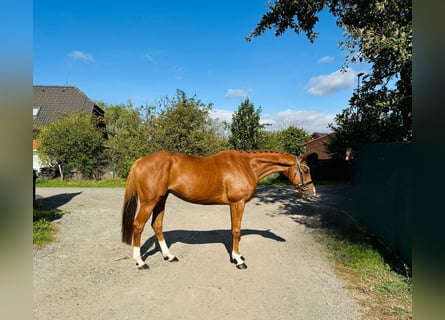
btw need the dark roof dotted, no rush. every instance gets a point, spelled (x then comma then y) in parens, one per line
(56, 101)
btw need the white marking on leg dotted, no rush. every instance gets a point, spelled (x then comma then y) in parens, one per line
(137, 256)
(165, 252)
(237, 258)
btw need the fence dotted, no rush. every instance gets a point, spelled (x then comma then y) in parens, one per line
(383, 195)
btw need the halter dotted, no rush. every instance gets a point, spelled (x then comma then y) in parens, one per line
(303, 184)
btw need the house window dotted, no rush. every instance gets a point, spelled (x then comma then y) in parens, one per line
(35, 111)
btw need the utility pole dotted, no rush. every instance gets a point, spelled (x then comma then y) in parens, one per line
(358, 81)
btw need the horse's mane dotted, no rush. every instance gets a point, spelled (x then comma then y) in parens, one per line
(261, 151)
(301, 156)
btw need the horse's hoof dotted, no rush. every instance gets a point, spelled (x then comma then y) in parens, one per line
(174, 259)
(144, 266)
(241, 266)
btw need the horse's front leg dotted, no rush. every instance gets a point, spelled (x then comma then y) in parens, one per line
(158, 217)
(236, 213)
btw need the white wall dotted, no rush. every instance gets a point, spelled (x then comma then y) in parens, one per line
(36, 164)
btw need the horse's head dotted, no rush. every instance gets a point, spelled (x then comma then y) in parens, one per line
(300, 177)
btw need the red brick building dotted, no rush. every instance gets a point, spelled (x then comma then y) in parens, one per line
(317, 144)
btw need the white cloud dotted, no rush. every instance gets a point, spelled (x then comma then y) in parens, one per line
(329, 83)
(311, 121)
(221, 115)
(326, 59)
(152, 55)
(236, 93)
(148, 57)
(77, 55)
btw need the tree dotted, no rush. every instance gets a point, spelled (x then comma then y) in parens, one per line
(273, 140)
(289, 140)
(75, 142)
(378, 32)
(246, 131)
(293, 138)
(126, 137)
(184, 125)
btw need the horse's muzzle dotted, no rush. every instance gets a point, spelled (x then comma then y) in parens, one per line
(307, 190)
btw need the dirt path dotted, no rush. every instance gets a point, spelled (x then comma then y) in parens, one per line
(87, 273)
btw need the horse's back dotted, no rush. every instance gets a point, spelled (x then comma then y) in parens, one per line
(216, 179)
(220, 178)
(208, 180)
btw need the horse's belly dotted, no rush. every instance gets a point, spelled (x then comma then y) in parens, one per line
(217, 194)
(201, 197)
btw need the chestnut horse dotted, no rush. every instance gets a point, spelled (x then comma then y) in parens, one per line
(229, 177)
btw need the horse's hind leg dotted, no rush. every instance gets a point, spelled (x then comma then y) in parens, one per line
(142, 216)
(236, 212)
(158, 217)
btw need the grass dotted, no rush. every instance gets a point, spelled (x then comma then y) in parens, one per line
(276, 179)
(43, 230)
(364, 263)
(368, 267)
(108, 183)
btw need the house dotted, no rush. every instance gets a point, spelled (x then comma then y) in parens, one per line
(36, 163)
(317, 145)
(323, 165)
(52, 102)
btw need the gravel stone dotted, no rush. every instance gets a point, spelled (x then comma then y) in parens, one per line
(87, 273)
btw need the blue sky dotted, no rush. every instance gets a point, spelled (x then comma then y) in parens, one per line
(116, 51)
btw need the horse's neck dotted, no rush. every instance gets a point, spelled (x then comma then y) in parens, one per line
(268, 163)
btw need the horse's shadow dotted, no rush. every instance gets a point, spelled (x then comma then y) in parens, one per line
(223, 236)
(321, 212)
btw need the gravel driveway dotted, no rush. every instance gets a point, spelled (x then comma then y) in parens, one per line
(87, 273)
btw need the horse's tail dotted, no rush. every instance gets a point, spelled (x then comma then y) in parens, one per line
(129, 208)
